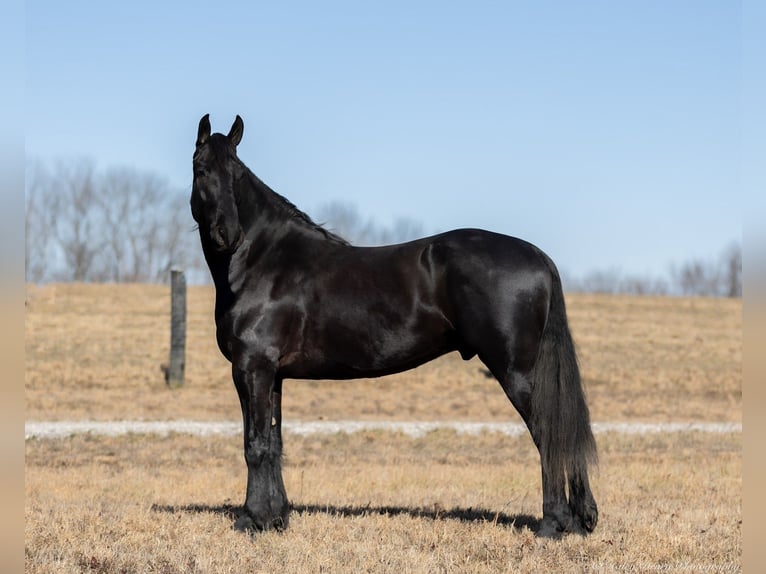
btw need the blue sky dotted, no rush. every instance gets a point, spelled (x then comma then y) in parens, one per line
(608, 133)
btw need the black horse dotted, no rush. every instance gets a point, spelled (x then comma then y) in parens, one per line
(296, 301)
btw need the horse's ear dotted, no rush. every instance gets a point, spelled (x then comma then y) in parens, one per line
(235, 134)
(203, 132)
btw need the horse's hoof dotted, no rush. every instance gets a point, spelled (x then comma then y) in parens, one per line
(549, 529)
(590, 517)
(586, 516)
(244, 524)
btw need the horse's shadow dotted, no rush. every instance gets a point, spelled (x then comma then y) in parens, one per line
(516, 521)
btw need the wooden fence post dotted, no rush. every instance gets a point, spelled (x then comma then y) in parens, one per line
(175, 373)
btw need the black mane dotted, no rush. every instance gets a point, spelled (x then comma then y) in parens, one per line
(281, 204)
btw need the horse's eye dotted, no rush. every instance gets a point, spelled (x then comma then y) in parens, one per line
(200, 173)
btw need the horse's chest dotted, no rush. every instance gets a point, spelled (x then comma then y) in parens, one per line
(258, 330)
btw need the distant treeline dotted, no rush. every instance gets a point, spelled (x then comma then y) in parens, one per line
(720, 276)
(124, 225)
(117, 225)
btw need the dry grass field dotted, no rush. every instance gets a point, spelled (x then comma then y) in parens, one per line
(95, 352)
(375, 501)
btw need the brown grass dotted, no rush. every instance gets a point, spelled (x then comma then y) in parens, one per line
(375, 501)
(95, 352)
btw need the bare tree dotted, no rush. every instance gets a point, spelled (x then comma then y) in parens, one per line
(178, 242)
(599, 281)
(712, 278)
(731, 262)
(344, 219)
(403, 229)
(339, 217)
(73, 224)
(149, 227)
(720, 277)
(37, 222)
(646, 285)
(135, 210)
(122, 225)
(694, 278)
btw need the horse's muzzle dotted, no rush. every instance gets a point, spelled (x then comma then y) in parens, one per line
(226, 239)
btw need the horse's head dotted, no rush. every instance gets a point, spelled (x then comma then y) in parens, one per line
(213, 198)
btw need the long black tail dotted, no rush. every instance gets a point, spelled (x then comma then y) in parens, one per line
(559, 412)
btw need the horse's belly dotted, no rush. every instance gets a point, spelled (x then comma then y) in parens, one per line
(345, 352)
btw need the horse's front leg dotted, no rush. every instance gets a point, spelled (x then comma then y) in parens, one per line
(266, 503)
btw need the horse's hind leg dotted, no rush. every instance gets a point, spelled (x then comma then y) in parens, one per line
(557, 513)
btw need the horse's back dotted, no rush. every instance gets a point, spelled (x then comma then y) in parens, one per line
(490, 250)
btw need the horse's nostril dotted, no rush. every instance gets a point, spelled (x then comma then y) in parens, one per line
(218, 234)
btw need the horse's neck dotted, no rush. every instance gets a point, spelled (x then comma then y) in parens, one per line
(266, 219)
(265, 216)
(252, 197)
(258, 205)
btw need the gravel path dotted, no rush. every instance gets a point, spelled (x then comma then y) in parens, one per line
(61, 429)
